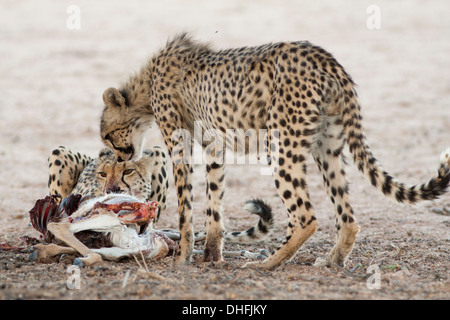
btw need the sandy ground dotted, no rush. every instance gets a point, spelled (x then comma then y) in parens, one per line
(52, 80)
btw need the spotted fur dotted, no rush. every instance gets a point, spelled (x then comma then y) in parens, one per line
(295, 88)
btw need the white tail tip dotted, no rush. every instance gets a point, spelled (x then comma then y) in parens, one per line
(445, 157)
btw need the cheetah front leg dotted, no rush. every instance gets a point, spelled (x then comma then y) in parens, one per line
(214, 223)
(182, 176)
(179, 142)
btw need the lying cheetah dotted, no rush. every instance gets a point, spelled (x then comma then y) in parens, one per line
(294, 88)
(146, 179)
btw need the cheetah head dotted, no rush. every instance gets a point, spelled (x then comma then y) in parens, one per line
(127, 177)
(124, 124)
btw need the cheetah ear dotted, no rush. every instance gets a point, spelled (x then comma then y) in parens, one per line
(113, 98)
(106, 152)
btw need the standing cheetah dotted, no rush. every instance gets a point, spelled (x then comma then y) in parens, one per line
(294, 88)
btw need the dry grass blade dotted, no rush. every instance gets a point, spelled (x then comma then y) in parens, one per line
(144, 269)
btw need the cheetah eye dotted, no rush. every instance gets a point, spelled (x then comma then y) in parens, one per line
(128, 171)
(102, 174)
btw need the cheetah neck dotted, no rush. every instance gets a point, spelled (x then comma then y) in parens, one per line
(137, 93)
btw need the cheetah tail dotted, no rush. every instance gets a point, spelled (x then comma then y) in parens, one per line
(379, 178)
(254, 234)
(260, 230)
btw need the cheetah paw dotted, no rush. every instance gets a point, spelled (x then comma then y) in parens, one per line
(322, 262)
(260, 265)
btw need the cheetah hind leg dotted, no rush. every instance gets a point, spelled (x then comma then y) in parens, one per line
(292, 188)
(327, 153)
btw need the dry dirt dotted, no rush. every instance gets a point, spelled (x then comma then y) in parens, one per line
(52, 80)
